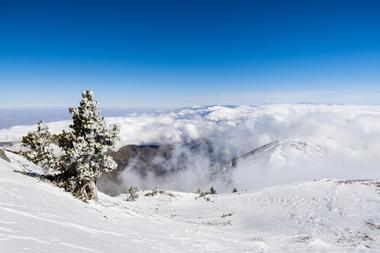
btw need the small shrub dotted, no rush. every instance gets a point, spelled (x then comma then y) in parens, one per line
(132, 191)
(204, 194)
(226, 215)
(212, 190)
(154, 192)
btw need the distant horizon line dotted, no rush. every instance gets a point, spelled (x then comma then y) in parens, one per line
(64, 107)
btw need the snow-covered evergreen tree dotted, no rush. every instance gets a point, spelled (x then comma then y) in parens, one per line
(40, 150)
(86, 147)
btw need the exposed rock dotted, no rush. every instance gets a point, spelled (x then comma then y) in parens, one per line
(3, 155)
(159, 160)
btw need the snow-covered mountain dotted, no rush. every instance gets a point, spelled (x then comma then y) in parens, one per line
(276, 153)
(317, 216)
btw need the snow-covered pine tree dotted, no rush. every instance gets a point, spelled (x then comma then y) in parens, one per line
(40, 150)
(86, 147)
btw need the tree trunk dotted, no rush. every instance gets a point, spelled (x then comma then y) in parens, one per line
(89, 190)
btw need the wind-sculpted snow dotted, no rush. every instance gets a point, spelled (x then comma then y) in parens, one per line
(340, 216)
(347, 136)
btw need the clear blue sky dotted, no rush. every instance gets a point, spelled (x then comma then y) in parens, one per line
(176, 53)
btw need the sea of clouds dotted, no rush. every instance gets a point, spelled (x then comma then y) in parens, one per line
(348, 135)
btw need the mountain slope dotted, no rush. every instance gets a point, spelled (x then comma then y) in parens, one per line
(320, 216)
(275, 153)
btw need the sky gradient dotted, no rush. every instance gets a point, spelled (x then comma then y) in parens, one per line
(159, 54)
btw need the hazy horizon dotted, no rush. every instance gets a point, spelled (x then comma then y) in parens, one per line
(18, 116)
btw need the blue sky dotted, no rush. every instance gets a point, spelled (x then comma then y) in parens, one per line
(159, 54)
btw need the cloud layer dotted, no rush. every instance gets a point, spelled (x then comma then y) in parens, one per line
(348, 135)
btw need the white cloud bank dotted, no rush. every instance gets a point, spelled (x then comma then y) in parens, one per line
(348, 135)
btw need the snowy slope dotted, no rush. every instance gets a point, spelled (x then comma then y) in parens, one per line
(320, 216)
(276, 153)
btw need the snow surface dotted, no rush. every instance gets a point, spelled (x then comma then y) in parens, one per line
(319, 216)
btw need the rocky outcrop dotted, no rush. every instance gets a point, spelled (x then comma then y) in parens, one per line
(3, 155)
(161, 159)
(158, 160)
